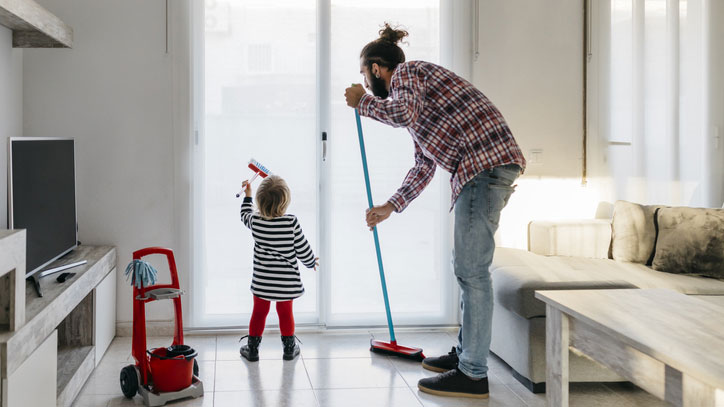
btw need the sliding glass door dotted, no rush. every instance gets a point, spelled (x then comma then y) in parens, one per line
(259, 102)
(411, 241)
(260, 81)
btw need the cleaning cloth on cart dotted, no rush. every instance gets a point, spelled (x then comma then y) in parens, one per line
(142, 274)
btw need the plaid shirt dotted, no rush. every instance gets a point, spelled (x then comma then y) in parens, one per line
(452, 124)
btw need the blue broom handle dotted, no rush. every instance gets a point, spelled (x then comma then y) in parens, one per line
(374, 230)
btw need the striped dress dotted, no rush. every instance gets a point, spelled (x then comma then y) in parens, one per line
(278, 243)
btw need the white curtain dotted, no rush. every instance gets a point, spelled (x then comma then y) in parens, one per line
(648, 92)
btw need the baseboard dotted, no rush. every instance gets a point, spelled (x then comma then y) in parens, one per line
(164, 328)
(536, 388)
(153, 328)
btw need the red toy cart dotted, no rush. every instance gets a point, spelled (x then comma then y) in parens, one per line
(164, 374)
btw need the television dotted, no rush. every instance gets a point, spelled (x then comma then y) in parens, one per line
(41, 199)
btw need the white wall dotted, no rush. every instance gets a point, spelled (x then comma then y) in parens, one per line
(113, 93)
(530, 66)
(11, 108)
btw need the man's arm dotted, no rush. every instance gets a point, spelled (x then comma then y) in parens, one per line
(415, 182)
(405, 104)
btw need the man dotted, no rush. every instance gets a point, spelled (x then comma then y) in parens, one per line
(454, 126)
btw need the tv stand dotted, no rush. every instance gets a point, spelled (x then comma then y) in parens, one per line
(42, 273)
(50, 345)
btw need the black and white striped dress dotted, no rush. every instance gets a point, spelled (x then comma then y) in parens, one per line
(278, 243)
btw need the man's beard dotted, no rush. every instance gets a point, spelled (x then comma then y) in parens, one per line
(378, 88)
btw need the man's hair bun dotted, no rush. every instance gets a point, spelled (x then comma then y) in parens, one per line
(392, 35)
(384, 51)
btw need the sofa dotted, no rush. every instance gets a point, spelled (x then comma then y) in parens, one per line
(631, 250)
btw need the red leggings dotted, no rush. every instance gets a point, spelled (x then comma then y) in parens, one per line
(261, 310)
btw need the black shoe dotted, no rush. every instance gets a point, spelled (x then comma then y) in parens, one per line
(442, 363)
(454, 383)
(251, 350)
(291, 349)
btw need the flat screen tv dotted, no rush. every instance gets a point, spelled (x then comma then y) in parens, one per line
(41, 197)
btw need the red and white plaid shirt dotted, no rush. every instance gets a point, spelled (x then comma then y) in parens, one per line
(452, 124)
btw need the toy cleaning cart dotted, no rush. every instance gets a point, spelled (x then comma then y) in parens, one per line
(163, 374)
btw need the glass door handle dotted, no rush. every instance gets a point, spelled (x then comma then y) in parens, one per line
(324, 146)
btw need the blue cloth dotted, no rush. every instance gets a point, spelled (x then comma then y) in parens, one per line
(477, 213)
(141, 273)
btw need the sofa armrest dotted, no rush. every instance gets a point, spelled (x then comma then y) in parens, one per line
(589, 238)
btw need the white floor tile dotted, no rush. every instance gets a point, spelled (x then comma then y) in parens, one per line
(352, 373)
(266, 398)
(118, 351)
(105, 379)
(336, 369)
(116, 401)
(203, 344)
(384, 397)
(336, 345)
(207, 400)
(95, 400)
(207, 374)
(411, 371)
(633, 396)
(500, 370)
(261, 375)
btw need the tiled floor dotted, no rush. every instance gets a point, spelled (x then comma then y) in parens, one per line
(336, 369)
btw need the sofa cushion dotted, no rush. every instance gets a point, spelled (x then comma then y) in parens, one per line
(518, 273)
(633, 232)
(690, 241)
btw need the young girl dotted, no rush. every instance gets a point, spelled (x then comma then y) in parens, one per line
(278, 243)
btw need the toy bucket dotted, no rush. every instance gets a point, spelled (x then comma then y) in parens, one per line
(172, 367)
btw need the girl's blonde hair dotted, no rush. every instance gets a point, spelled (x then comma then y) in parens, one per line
(273, 197)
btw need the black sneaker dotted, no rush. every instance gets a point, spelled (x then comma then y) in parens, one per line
(454, 383)
(442, 363)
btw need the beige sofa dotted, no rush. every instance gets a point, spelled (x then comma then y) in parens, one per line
(566, 256)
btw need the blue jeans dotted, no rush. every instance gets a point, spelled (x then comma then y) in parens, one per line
(477, 212)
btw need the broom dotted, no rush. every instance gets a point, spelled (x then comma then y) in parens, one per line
(391, 347)
(258, 169)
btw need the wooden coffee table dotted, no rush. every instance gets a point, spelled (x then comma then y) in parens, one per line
(667, 343)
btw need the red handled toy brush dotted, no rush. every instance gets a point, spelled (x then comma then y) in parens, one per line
(391, 347)
(259, 170)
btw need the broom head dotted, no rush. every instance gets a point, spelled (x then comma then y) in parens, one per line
(393, 349)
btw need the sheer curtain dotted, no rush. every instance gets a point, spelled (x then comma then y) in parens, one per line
(648, 92)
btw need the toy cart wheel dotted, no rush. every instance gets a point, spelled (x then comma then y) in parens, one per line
(129, 381)
(196, 368)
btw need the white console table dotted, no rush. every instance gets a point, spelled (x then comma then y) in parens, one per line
(50, 345)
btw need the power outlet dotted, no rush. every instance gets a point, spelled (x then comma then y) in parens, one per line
(535, 156)
(717, 138)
